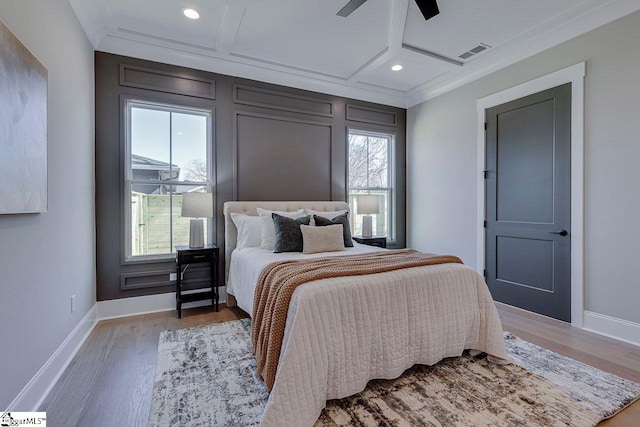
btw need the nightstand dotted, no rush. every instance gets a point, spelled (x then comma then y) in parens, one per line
(379, 241)
(185, 257)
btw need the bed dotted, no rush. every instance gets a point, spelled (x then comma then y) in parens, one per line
(342, 332)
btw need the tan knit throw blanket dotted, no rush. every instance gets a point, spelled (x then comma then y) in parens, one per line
(279, 279)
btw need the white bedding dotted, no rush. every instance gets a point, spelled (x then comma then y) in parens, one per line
(343, 332)
(247, 263)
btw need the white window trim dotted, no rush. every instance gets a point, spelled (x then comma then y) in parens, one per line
(391, 177)
(127, 178)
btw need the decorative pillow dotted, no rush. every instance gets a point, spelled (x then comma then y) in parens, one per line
(322, 239)
(268, 232)
(249, 230)
(340, 219)
(327, 215)
(288, 234)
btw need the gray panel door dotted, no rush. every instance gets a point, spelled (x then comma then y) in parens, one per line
(528, 196)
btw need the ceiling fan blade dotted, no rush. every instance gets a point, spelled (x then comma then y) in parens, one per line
(429, 8)
(350, 7)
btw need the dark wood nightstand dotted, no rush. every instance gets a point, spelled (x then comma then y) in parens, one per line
(379, 241)
(185, 257)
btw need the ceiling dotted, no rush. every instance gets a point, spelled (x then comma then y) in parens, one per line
(304, 44)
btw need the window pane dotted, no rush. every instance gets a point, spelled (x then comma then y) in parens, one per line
(189, 146)
(378, 162)
(357, 161)
(150, 221)
(150, 144)
(380, 222)
(156, 224)
(180, 224)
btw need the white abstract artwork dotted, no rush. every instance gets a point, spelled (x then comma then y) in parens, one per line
(23, 128)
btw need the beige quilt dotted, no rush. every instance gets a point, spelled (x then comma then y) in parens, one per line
(279, 280)
(342, 332)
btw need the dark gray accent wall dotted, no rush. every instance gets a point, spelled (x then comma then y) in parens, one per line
(269, 143)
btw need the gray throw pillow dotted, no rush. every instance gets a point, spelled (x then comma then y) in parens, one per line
(340, 219)
(288, 234)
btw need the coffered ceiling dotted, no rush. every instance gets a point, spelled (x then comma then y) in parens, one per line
(304, 44)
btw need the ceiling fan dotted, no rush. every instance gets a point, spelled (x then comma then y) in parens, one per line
(429, 8)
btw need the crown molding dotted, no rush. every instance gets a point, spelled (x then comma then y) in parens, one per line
(240, 67)
(586, 19)
(100, 25)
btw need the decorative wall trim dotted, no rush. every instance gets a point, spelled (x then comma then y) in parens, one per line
(357, 113)
(271, 98)
(619, 329)
(236, 159)
(155, 278)
(574, 75)
(135, 306)
(165, 81)
(37, 389)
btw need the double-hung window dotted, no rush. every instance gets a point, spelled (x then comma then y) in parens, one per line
(168, 153)
(370, 171)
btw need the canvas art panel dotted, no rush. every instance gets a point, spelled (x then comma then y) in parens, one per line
(23, 128)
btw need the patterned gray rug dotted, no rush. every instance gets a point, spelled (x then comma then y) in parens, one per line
(206, 377)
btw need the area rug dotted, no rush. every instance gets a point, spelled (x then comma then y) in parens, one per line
(206, 376)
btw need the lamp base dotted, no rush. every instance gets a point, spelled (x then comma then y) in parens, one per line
(366, 226)
(196, 233)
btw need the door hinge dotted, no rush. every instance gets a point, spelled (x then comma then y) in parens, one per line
(486, 273)
(485, 125)
(485, 224)
(486, 174)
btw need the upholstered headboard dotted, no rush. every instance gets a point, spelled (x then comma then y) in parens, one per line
(250, 208)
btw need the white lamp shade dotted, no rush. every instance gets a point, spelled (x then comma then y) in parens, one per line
(197, 205)
(368, 205)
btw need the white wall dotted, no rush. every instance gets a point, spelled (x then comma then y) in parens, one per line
(46, 258)
(442, 150)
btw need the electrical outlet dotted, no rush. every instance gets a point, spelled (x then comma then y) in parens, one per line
(173, 277)
(73, 303)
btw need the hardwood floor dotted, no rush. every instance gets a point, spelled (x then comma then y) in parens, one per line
(110, 380)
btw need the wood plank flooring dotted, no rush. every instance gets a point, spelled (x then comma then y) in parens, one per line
(110, 380)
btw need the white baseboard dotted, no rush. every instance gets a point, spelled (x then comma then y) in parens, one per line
(34, 393)
(37, 389)
(135, 306)
(612, 327)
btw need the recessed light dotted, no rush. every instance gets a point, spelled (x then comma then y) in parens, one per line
(191, 13)
(397, 67)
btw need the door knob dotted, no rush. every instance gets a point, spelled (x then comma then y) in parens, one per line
(561, 232)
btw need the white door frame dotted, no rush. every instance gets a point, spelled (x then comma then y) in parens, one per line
(574, 75)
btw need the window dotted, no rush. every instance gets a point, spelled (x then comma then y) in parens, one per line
(371, 172)
(168, 152)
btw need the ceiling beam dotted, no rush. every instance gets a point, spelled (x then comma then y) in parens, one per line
(233, 15)
(432, 55)
(397, 22)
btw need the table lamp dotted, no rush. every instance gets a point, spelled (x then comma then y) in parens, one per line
(197, 206)
(367, 206)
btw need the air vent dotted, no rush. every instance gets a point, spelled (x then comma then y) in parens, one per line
(476, 50)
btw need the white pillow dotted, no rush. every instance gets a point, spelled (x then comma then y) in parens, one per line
(249, 230)
(322, 239)
(268, 230)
